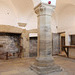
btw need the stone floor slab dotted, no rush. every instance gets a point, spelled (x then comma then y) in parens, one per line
(21, 66)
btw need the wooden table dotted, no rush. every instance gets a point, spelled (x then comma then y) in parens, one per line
(66, 49)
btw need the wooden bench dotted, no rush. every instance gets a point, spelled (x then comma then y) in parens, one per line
(66, 49)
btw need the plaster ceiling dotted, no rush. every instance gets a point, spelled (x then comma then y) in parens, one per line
(23, 6)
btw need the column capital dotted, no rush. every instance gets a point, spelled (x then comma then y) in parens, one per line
(44, 9)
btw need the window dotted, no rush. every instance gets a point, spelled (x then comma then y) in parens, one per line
(72, 39)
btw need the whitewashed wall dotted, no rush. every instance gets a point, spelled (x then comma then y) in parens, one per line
(32, 21)
(67, 22)
(7, 13)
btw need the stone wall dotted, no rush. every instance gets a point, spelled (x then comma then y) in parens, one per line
(33, 47)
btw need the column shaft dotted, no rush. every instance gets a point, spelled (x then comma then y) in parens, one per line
(44, 64)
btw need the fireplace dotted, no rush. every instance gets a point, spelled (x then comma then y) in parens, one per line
(9, 42)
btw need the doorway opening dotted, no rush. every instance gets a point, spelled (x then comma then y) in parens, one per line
(33, 47)
(62, 43)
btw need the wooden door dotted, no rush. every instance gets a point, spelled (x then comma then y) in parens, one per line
(56, 44)
(33, 47)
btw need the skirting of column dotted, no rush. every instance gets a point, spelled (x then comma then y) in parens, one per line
(45, 66)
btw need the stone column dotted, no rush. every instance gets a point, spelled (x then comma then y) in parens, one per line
(25, 43)
(44, 63)
(22, 42)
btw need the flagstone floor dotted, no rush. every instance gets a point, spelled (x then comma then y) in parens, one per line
(21, 66)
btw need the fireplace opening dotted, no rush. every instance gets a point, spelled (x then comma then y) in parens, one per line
(9, 42)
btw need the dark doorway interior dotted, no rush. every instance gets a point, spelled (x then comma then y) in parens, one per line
(62, 42)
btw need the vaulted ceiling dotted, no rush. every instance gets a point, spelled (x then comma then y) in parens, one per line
(24, 9)
(25, 6)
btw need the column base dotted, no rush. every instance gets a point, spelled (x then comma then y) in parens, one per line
(45, 66)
